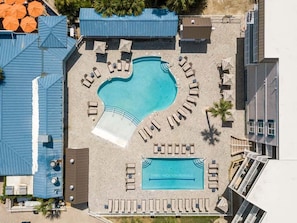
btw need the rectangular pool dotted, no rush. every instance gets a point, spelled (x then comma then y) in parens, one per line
(172, 174)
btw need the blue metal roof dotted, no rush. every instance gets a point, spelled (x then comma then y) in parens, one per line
(151, 23)
(50, 101)
(22, 61)
(53, 31)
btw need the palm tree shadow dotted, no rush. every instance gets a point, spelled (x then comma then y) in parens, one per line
(211, 134)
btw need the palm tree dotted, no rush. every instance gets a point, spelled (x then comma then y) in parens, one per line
(2, 77)
(45, 206)
(119, 7)
(180, 6)
(221, 109)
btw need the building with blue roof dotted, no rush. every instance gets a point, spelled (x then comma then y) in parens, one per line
(31, 111)
(152, 23)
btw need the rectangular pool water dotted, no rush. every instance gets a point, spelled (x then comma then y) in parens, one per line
(172, 174)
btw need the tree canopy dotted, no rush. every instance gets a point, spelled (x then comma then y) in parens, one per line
(119, 7)
(221, 109)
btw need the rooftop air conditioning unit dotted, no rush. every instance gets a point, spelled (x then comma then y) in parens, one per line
(9, 190)
(44, 138)
(22, 189)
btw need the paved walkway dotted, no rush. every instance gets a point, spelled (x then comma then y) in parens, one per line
(212, 141)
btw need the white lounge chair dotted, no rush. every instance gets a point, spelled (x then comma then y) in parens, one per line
(130, 180)
(188, 208)
(127, 65)
(119, 65)
(143, 135)
(162, 148)
(109, 205)
(182, 112)
(157, 205)
(206, 204)
(151, 205)
(92, 111)
(128, 206)
(187, 67)
(92, 103)
(170, 121)
(194, 205)
(143, 206)
(213, 185)
(130, 165)
(176, 149)
(190, 73)
(110, 67)
(85, 83)
(96, 72)
(156, 148)
(122, 206)
(187, 106)
(156, 124)
(130, 171)
(183, 61)
(176, 119)
(184, 148)
(89, 78)
(213, 170)
(213, 178)
(130, 186)
(134, 206)
(194, 92)
(213, 165)
(116, 206)
(169, 148)
(194, 85)
(165, 203)
(191, 100)
(173, 205)
(148, 131)
(200, 204)
(180, 205)
(192, 148)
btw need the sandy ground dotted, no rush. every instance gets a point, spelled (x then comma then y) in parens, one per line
(228, 7)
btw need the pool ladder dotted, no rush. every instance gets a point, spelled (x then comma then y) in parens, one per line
(199, 163)
(146, 162)
(165, 67)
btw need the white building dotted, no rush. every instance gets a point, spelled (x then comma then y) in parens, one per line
(267, 179)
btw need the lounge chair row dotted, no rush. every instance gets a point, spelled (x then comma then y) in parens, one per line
(175, 148)
(118, 66)
(92, 108)
(130, 176)
(187, 67)
(213, 178)
(88, 79)
(146, 132)
(154, 206)
(182, 113)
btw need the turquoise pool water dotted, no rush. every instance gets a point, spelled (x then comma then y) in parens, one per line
(151, 87)
(172, 174)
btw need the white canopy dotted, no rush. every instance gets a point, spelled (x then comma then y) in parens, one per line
(228, 79)
(125, 45)
(228, 95)
(227, 63)
(99, 47)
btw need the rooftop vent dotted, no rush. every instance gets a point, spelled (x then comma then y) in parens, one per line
(54, 180)
(71, 161)
(44, 138)
(192, 21)
(71, 198)
(71, 187)
(53, 163)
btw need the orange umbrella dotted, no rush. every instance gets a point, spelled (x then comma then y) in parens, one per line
(20, 1)
(35, 9)
(4, 10)
(28, 24)
(10, 2)
(10, 23)
(18, 11)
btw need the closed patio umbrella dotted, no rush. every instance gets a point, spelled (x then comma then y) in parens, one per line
(223, 205)
(100, 47)
(28, 24)
(35, 9)
(227, 79)
(125, 45)
(18, 11)
(4, 10)
(227, 63)
(10, 23)
(228, 95)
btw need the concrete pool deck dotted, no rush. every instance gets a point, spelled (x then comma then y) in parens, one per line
(107, 168)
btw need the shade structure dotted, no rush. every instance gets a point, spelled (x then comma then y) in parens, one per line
(100, 47)
(4, 10)
(28, 24)
(230, 118)
(10, 23)
(227, 63)
(18, 11)
(228, 95)
(227, 79)
(35, 9)
(10, 2)
(223, 204)
(125, 45)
